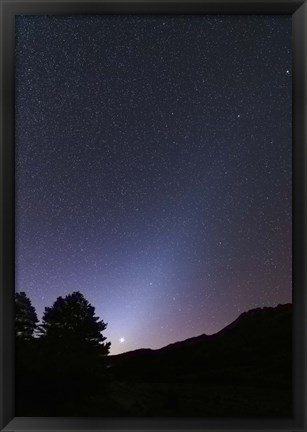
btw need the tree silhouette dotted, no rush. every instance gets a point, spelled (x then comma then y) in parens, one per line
(73, 353)
(25, 317)
(25, 348)
(62, 372)
(71, 322)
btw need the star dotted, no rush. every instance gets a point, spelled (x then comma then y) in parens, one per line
(154, 177)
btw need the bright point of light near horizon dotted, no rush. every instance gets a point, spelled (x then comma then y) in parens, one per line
(165, 219)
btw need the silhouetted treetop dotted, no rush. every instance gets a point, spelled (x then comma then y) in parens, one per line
(25, 317)
(72, 320)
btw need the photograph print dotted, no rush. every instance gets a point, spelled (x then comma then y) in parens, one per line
(153, 176)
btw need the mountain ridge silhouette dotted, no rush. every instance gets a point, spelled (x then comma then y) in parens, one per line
(255, 313)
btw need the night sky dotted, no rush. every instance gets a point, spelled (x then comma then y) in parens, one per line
(153, 169)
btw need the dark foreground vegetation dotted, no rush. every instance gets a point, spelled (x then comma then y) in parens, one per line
(245, 370)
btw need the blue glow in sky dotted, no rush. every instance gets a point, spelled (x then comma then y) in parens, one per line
(153, 169)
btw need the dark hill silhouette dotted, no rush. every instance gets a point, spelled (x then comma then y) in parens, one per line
(253, 321)
(244, 369)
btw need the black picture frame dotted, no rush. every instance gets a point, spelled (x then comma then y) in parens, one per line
(9, 8)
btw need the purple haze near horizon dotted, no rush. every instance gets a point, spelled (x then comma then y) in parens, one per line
(153, 169)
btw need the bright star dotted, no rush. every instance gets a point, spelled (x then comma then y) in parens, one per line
(122, 340)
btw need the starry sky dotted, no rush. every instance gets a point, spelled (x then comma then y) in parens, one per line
(153, 168)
